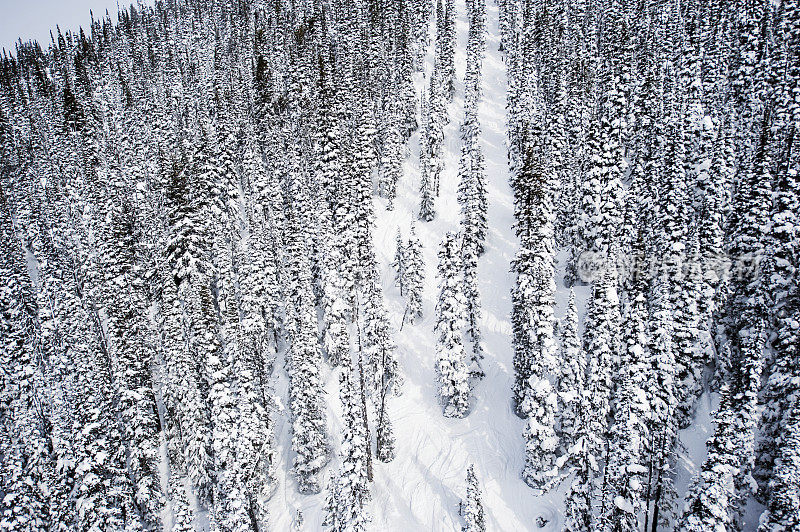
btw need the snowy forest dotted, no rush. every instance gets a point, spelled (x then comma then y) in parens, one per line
(367, 265)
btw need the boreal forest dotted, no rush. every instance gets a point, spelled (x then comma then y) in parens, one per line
(403, 265)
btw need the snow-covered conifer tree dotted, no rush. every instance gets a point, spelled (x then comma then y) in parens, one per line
(578, 513)
(414, 277)
(628, 437)
(571, 376)
(532, 319)
(131, 346)
(399, 262)
(391, 162)
(426, 165)
(662, 422)
(603, 350)
(304, 358)
(472, 506)
(532, 298)
(379, 350)
(707, 505)
(452, 374)
(349, 495)
(472, 308)
(783, 512)
(336, 337)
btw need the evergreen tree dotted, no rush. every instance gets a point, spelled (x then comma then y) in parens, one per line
(414, 277)
(601, 346)
(452, 374)
(309, 438)
(104, 494)
(379, 351)
(182, 402)
(707, 504)
(365, 162)
(332, 520)
(131, 347)
(661, 389)
(472, 186)
(628, 436)
(391, 162)
(472, 192)
(532, 298)
(399, 262)
(571, 374)
(254, 445)
(446, 39)
(427, 167)
(472, 308)
(230, 509)
(186, 395)
(676, 246)
(578, 512)
(541, 442)
(783, 513)
(472, 506)
(336, 338)
(347, 506)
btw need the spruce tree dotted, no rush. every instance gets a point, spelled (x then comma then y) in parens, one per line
(452, 373)
(662, 422)
(472, 308)
(472, 506)
(571, 376)
(347, 508)
(414, 277)
(399, 263)
(230, 509)
(304, 358)
(707, 505)
(578, 512)
(628, 436)
(427, 169)
(533, 296)
(380, 353)
(783, 512)
(602, 348)
(130, 345)
(391, 162)
(336, 337)
(186, 256)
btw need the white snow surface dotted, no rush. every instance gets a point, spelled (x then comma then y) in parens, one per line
(421, 488)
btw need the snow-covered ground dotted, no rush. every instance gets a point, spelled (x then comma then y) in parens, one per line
(422, 487)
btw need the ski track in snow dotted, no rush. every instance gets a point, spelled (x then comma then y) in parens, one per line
(421, 488)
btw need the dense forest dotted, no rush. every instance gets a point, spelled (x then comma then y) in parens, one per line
(255, 257)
